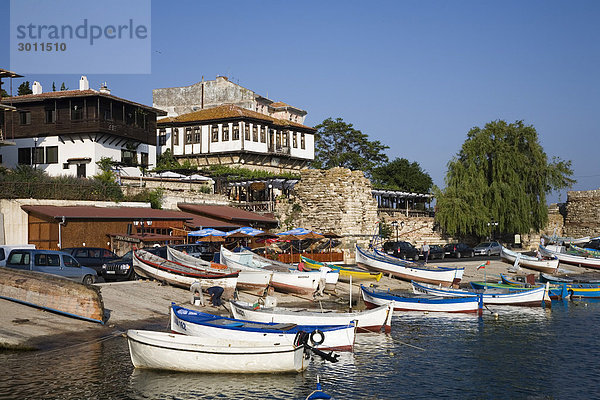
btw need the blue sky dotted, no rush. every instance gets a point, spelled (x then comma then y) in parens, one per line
(415, 75)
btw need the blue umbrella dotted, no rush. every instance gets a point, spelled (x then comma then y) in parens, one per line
(246, 230)
(296, 232)
(207, 232)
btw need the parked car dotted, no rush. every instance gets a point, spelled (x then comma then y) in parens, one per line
(436, 251)
(120, 269)
(487, 249)
(458, 250)
(401, 249)
(51, 262)
(5, 250)
(92, 257)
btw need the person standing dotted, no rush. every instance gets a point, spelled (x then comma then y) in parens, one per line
(425, 251)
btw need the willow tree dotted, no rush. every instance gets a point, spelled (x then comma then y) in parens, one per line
(501, 175)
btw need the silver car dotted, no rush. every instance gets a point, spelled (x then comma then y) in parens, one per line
(51, 262)
(487, 249)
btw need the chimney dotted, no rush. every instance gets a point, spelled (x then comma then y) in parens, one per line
(83, 83)
(104, 89)
(36, 88)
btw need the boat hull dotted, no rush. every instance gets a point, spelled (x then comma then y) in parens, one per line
(548, 266)
(423, 304)
(366, 321)
(533, 298)
(345, 273)
(403, 270)
(588, 262)
(339, 338)
(174, 352)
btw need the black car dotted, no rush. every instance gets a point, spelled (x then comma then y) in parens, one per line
(92, 257)
(120, 269)
(436, 251)
(458, 250)
(401, 249)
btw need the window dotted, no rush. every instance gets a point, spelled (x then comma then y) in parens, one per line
(162, 137)
(236, 132)
(294, 140)
(175, 137)
(263, 134)
(25, 117)
(52, 155)
(76, 112)
(226, 132)
(38, 155)
(128, 157)
(66, 165)
(144, 159)
(197, 134)
(108, 114)
(50, 116)
(69, 261)
(278, 139)
(24, 156)
(286, 143)
(302, 141)
(188, 135)
(246, 131)
(214, 137)
(254, 133)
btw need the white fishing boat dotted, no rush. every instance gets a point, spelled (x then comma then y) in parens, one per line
(154, 267)
(424, 303)
(564, 257)
(549, 265)
(376, 261)
(533, 297)
(366, 321)
(197, 323)
(252, 281)
(175, 352)
(285, 278)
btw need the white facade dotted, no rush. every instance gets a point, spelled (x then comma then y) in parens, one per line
(70, 155)
(228, 137)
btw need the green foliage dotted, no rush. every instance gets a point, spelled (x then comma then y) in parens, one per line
(244, 173)
(385, 230)
(24, 88)
(501, 174)
(400, 174)
(338, 144)
(53, 87)
(106, 179)
(166, 161)
(4, 93)
(154, 197)
(63, 87)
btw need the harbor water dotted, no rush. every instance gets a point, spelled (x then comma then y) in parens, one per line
(522, 353)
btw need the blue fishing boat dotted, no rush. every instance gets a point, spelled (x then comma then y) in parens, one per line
(411, 302)
(564, 290)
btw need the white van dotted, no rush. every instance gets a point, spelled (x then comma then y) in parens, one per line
(5, 250)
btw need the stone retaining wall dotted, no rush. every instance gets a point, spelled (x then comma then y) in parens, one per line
(583, 213)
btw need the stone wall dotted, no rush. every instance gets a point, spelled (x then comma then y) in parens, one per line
(583, 213)
(337, 200)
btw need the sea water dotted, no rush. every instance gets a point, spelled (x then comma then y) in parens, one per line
(520, 353)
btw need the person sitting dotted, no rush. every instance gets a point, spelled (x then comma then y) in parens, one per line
(215, 293)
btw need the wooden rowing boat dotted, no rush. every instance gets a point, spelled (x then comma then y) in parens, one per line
(377, 261)
(563, 290)
(585, 250)
(152, 266)
(251, 281)
(52, 293)
(345, 273)
(197, 323)
(366, 321)
(175, 352)
(533, 297)
(523, 260)
(424, 303)
(285, 278)
(564, 257)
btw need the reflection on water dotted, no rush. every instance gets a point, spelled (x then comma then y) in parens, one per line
(521, 353)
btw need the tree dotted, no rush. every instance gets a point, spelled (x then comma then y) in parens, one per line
(338, 144)
(24, 89)
(501, 174)
(63, 87)
(401, 174)
(167, 161)
(53, 87)
(3, 93)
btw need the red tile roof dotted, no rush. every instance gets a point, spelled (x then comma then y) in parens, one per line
(227, 213)
(201, 222)
(278, 104)
(228, 111)
(92, 212)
